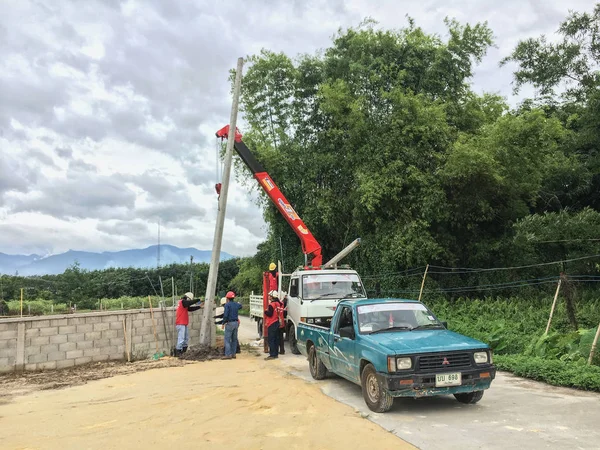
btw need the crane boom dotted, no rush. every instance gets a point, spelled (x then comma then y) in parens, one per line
(310, 246)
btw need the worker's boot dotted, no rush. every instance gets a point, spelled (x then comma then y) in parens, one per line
(184, 349)
(176, 352)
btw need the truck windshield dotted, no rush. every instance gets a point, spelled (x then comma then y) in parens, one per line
(332, 285)
(395, 316)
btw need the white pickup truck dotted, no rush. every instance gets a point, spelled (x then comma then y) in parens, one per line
(313, 297)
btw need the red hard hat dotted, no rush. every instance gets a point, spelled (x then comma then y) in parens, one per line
(230, 294)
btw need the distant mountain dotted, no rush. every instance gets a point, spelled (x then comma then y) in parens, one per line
(140, 258)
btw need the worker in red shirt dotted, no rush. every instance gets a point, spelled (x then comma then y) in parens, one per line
(273, 278)
(273, 318)
(182, 320)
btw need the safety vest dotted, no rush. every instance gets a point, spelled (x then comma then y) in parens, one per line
(273, 281)
(277, 313)
(183, 317)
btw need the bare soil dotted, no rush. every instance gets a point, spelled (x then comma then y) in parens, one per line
(245, 403)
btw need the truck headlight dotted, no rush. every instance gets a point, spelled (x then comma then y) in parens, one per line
(480, 357)
(404, 363)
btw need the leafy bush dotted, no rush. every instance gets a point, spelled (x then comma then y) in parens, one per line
(559, 373)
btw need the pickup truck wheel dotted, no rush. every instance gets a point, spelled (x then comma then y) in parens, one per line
(317, 368)
(376, 398)
(259, 326)
(293, 341)
(469, 397)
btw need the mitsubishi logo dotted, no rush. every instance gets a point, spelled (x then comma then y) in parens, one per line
(445, 362)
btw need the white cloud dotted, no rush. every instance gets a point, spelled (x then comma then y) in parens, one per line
(108, 109)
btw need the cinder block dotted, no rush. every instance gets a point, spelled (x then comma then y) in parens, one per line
(76, 321)
(50, 365)
(8, 343)
(41, 324)
(148, 338)
(136, 339)
(4, 326)
(32, 332)
(108, 334)
(67, 347)
(76, 337)
(148, 322)
(109, 319)
(101, 326)
(140, 347)
(92, 351)
(6, 352)
(137, 323)
(117, 341)
(30, 367)
(32, 350)
(116, 356)
(41, 340)
(96, 319)
(92, 336)
(65, 363)
(58, 322)
(49, 348)
(116, 325)
(8, 334)
(101, 343)
(67, 329)
(142, 331)
(49, 331)
(100, 358)
(74, 354)
(86, 328)
(4, 363)
(39, 358)
(58, 339)
(84, 345)
(83, 360)
(56, 356)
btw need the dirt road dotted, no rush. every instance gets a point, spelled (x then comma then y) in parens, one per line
(246, 403)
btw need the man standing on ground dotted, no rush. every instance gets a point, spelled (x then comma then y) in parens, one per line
(274, 314)
(231, 324)
(182, 321)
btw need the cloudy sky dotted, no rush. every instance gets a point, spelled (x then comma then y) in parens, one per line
(108, 108)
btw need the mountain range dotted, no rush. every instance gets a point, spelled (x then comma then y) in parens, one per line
(26, 265)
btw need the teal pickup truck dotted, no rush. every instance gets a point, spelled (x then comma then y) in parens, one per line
(396, 348)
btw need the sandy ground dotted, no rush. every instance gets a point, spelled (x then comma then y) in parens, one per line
(246, 403)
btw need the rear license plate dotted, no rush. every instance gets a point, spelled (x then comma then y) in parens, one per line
(448, 379)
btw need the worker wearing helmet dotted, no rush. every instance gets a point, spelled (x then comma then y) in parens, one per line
(231, 324)
(274, 319)
(182, 320)
(273, 276)
(220, 311)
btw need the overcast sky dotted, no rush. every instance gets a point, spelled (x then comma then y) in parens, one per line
(108, 109)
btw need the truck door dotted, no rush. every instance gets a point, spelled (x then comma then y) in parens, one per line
(343, 351)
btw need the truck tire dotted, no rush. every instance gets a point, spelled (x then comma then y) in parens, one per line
(293, 341)
(376, 397)
(469, 397)
(316, 366)
(259, 326)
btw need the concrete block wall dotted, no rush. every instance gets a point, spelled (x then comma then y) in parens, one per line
(56, 342)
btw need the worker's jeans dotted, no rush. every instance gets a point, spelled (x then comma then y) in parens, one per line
(231, 333)
(273, 334)
(182, 336)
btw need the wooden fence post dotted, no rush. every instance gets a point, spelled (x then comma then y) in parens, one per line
(593, 349)
(553, 306)
(423, 282)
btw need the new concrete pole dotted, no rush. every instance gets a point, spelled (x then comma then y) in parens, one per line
(207, 328)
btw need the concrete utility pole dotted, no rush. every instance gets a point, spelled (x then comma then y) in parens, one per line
(192, 274)
(207, 327)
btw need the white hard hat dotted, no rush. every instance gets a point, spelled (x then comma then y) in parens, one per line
(223, 301)
(274, 294)
(189, 295)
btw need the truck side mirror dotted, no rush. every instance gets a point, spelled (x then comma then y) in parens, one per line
(347, 332)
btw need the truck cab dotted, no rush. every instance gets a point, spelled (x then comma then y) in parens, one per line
(313, 296)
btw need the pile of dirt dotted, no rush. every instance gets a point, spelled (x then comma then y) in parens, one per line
(202, 353)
